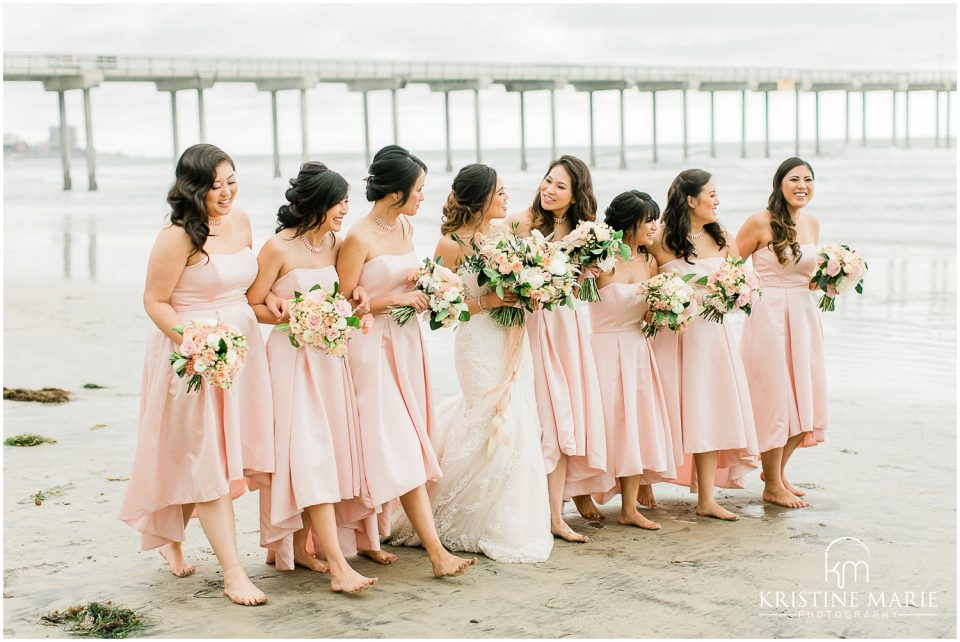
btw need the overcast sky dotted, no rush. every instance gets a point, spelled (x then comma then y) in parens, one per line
(796, 34)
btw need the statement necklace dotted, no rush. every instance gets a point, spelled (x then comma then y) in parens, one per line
(560, 221)
(390, 228)
(213, 222)
(311, 247)
(694, 237)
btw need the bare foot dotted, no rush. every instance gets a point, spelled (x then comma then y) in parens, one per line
(349, 581)
(238, 587)
(306, 560)
(783, 497)
(563, 531)
(446, 564)
(790, 487)
(645, 496)
(587, 508)
(176, 561)
(638, 520)
(711, 508)
(380, 557)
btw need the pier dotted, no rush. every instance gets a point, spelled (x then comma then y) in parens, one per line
(67, 72)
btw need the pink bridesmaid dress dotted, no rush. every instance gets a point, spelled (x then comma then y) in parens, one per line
(568, 398)
(195, 447)
(390, 377)
(705, 386)
(782, 350)
(316, 436)
(639, 441)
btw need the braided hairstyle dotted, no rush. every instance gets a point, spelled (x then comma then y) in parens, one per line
(472, 190)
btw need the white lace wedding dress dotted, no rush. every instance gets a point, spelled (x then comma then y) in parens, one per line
(492, 498)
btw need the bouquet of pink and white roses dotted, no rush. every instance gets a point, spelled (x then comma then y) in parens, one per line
(671, 302)
(839, 269)
(445, 291)
(730, 288)
(323, 320)
(537, 271)
(597, 243)
(211, 351)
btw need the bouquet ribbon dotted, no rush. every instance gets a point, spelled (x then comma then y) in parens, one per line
(495, 432)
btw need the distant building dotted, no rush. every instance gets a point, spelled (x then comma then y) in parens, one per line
(13, 145)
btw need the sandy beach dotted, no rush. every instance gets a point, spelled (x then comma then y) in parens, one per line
(886, 474)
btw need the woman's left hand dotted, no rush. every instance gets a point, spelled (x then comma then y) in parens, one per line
(363, 301)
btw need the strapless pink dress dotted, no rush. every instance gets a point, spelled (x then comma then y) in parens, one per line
(198, 446)
(317, 439)
(568, 398)
(782, 350)
(391, 380)
(708, 399)
(639, 441)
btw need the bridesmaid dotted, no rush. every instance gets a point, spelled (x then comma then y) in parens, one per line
(199, 450)
(565, 374)
(315, 412)
(390, 362)
(782, 345)
(639, 441)
(701, 371)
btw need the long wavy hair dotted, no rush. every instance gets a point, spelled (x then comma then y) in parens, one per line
(472, 190)
(782, 225)
(584, 205)
(676, 215)
(193, 179)
(629, 210)
(310, 196)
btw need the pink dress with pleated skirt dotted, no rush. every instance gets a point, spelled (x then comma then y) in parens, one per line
(782, 350)
(639, 441)
(391, 380)
(317, 439)
(568, 398)
(196, 447)
(705, 387)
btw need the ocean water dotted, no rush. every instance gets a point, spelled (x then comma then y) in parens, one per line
(897, 206)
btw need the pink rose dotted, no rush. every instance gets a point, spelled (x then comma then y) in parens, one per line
(333, 334)
(833, 267)
(366, 322)
(187, 348)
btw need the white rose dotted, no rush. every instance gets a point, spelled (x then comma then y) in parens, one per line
(451, 295)
(532, 277)
(340, 324)
(213, 339)
(231, 356)
(607, 264)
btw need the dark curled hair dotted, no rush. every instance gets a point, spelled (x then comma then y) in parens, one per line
(472, 190)
(676, 216)
(393, 169)
(194, 178)
(310, 196)
(584, 204)
(629, 210)
(782, 225)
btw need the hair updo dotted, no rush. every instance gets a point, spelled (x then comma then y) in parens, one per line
(472, 190)
(676, 216)
(194, 176)
(310, 196)
(629, 210)
(393, 169)
(782, 225)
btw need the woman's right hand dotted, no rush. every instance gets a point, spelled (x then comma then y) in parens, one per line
(508, 300)
(414, 299)
(280, 307)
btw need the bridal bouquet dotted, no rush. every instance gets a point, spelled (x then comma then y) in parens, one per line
(323, 320)
(730, 288)
(537, 271)
(839, 269)
(671, 302)
(445, 291)
(593, 242)
(211, 351)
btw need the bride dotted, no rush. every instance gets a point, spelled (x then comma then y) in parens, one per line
(492, 498)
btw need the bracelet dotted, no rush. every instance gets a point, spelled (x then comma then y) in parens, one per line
(480, 305)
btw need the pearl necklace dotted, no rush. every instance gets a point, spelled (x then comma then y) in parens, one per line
(390, 228)
(311, 247)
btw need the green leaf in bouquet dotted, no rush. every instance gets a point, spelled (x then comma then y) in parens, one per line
(442, 314)
(353, 322)
(282, 327)
(686, 277)
(438, 260)
(315, 287)
(178, 329)
(222, 348)
(297, 295)
(500, 290)
(464, 316)
(293, 341)
(434, 324)
(336, 288)
(859, 288)
(180, 364)
(625, 252)
(703, 280)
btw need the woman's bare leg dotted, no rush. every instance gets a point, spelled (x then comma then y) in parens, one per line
(219, 523)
